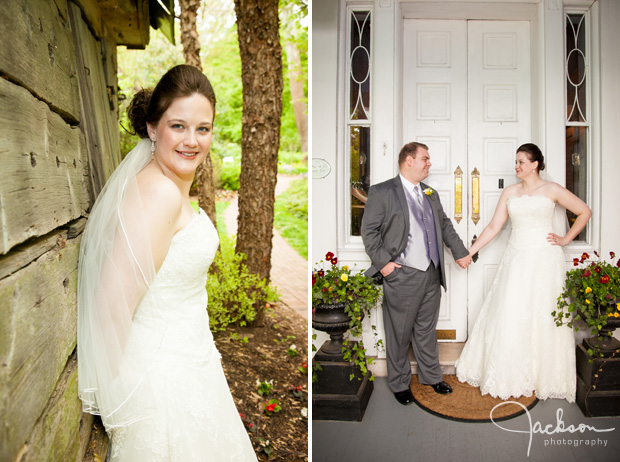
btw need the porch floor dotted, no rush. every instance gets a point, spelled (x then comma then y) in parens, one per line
(391, 432)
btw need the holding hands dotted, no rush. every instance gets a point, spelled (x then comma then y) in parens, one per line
(465, 261)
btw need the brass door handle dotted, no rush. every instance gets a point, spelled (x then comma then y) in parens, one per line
(475, 196)
(458, 194)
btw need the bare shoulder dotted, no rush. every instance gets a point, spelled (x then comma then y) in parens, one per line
(553, 190)
(511, 190)
(161, 198)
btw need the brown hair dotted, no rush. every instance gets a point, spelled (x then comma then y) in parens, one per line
(534, 154)
(409, 149)
(150, 105)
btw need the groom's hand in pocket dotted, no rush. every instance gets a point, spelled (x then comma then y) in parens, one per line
(389, 268)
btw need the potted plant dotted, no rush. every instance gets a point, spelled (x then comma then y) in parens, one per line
(340, 300)
(592, 294)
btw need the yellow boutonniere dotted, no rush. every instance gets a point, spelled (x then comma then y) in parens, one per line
(429, 192)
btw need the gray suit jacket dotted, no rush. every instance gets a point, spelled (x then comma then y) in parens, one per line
(385, 226)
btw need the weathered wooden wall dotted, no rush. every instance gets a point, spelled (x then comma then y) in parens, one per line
(59, 142)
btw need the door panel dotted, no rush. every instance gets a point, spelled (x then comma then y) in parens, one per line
(499, 121)
(435, 113)
(466, 94)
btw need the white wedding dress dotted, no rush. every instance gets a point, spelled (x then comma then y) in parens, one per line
(192, 416)
(515, 347)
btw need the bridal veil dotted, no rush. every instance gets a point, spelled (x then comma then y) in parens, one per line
(115, 271)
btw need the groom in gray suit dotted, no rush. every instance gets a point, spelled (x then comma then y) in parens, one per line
(403, 228)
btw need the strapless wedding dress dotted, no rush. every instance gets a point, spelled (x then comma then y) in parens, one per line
(192, 416)
(515, 347)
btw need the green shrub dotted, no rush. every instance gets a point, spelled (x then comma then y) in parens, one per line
(234, 292)
(291, 216)
(229, 177)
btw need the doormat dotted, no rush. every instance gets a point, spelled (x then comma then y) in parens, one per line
(466, 403)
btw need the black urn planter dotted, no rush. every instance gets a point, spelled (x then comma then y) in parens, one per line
(598, 379)
(332, 319)
(335, 396)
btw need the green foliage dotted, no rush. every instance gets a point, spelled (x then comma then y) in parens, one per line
(229, 177)
(220, 208)
(292, 162)
(360, 296)
(591, 294)
(291, 216)
(264, 388)
(234, 292)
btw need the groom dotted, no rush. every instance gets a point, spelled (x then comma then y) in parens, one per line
(402, 229)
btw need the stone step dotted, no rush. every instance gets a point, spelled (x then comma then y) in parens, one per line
(448, 354)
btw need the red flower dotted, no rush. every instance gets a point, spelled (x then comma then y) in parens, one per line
(313, 279)
(604, 279)
(575, 262)
(334, 261)
(596, 253)
(321, 273)
(618, 263)
(612, 254)
(597, 269)
(592, 265)
(271, 407)
(329, 256)
(324, 289)
(587, 273)
(608, 297)
(585, 256)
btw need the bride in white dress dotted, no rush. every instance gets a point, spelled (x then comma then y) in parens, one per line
(515, 347)
(147, 362)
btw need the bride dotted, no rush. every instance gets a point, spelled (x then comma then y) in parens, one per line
(147, 362)
(515, 347)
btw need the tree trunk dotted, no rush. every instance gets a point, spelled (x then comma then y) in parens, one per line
(261, 72)
(297, 93)
(191, 53)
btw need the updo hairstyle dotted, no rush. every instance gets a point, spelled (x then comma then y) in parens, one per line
(149, 105)
(534, 154)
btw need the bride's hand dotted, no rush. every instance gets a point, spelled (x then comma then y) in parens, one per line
(554, 239)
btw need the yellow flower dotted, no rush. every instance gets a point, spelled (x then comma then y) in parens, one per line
(345, 268)
(587, 301)
(616, 315)
(428, 191)
(588, 290)
(618, 306)
(330, 289)
(344, 277)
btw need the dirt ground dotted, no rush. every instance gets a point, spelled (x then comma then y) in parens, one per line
(252, 355)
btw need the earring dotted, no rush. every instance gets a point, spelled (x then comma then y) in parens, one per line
(152, 146)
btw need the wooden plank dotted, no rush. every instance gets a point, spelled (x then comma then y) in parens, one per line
(99, 124)
(44, 181)
(98, 444)
(127, 20)
(62, 432)
(91, 13)
(24, 254)
(38, 52)
(38, 331)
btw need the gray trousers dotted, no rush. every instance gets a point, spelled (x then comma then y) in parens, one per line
(411, 301)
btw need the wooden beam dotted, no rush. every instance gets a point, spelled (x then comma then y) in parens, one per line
(44, 182)
(37, 51)
(38, 331)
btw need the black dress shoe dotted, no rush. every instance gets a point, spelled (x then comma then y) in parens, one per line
(404, 397)
(442, 388)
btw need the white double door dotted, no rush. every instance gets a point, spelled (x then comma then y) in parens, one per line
(466, 94)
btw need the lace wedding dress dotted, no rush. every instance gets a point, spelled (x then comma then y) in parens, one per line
(515, 347)
(192, 416)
